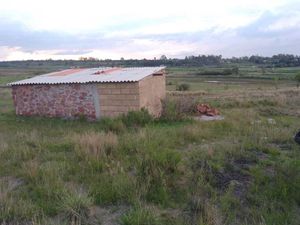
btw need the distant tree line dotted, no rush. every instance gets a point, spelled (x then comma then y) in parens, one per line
(280, 60)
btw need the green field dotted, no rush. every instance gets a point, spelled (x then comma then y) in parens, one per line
(136, 170)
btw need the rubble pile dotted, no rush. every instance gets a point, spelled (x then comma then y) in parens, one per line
(206, 110)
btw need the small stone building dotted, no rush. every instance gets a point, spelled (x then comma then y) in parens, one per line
(92, 93)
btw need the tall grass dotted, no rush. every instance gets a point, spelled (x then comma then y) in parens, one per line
(172, 170)
(96, 145)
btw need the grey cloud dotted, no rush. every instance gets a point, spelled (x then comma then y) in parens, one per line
(15, 34)
(259, 28)
(251, 39)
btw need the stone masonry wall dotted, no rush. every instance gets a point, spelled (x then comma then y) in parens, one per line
(118, 98)
(152, 91)
(54, 100)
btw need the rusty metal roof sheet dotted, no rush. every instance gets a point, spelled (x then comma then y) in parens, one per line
(92, 75)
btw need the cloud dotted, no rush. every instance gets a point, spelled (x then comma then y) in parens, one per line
(16, 34)
(64, 29)
(72, 52)
(94, 15)
(5, 51)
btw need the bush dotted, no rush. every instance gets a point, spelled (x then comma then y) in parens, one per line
(170, 111)
(175, 109)
(183, 87)
(226, 71)
(115, 125)
(137, 118)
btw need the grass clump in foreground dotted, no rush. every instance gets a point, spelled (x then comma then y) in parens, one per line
(139, 216)
(139, 170)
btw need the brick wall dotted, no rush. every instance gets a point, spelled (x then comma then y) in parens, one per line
(118, 98)
(152, 91)
(54, 100)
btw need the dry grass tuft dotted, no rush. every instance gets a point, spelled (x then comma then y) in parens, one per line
(96, 144)
(201, 211)
(30, 168)
(8, 184)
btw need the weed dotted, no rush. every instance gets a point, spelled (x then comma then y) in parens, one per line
(113, 189)
(75, 206)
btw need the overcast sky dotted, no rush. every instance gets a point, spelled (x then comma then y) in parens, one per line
(64, 29)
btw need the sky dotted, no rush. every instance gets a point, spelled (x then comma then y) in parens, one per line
(111, 29)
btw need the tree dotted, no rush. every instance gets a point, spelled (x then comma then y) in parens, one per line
(83, 58)
(163, 57)
(297, 78)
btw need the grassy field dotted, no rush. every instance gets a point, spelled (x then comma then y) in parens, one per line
(135, 170)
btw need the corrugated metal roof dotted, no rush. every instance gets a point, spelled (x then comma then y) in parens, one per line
(92, 75)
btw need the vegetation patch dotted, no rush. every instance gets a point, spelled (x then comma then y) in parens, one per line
(137, 169)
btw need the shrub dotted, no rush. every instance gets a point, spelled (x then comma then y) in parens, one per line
(183, 87)
(112, 124)
(175, 109)
(235, 70)
(137, 118)
(226, 71)
(170, 112)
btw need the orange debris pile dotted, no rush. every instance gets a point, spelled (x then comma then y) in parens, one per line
(205, 109)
